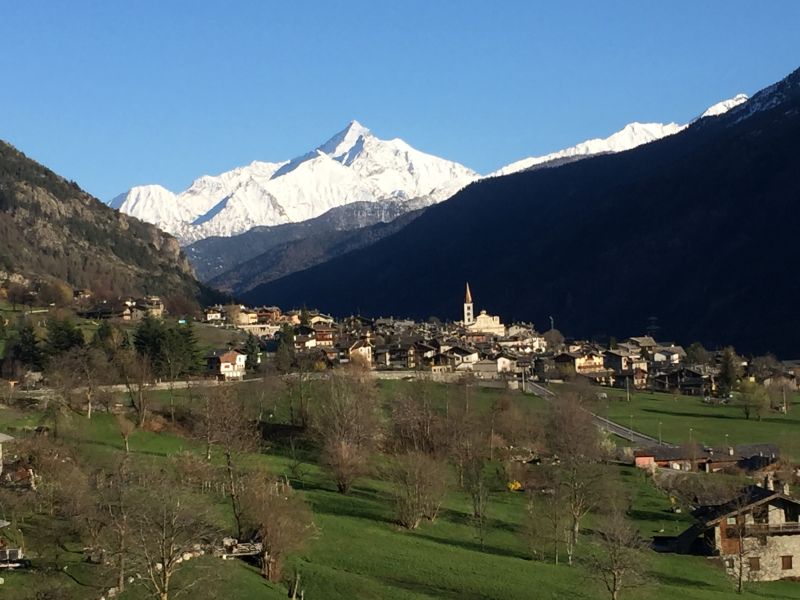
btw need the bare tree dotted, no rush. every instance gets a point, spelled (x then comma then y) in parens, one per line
(416, 425)
(477, 487)
(621, 561)
(280, 518)
(347, 424)
(137, 375)
(169, 527)
(419, 483)
(225, 421)
(547, 522)
(575, 439)
(115, 504)
(126, 427)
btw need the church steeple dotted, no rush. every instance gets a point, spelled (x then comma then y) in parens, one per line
(469, 313)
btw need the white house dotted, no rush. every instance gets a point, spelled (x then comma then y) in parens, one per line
(226, 364)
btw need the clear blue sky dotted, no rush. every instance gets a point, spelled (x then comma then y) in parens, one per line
(114, 94)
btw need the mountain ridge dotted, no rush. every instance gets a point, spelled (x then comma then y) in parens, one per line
(51, 228)
(691, 228)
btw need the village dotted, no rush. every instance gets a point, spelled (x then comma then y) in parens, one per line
(752, 530)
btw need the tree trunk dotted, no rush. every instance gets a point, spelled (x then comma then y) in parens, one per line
(121, 571)
(172, 400)
(234, 493)
(127, 447)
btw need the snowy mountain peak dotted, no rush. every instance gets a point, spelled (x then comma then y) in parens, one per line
(632, 135)
(724, 106)
(352, 166)
(344, 141)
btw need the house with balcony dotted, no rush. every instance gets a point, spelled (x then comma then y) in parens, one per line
(758, 530)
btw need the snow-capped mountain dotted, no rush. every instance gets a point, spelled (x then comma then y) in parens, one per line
(722, 107)
(352, 166)
(630, 136)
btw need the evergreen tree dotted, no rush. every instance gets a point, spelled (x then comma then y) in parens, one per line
(25, 348)
(149, 339)
(251, 348)
(193, 358)
(62, 336)
(305, 318)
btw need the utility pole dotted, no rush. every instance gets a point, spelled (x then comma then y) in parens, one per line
(628, 388)
(659, 433)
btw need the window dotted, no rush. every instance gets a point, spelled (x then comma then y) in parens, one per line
(754, 563)
(786, 563)
(731, 520)
(729, 564)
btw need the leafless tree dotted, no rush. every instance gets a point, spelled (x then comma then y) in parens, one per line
(621, 561)
(137, 375)
(347, 425)
(115, 503)
(575, 439)
(416, 425)
(477, 487)
(126, 427)
(224, 420)
(169, 527)
(419, 483)
(280, 518)
(547, 522)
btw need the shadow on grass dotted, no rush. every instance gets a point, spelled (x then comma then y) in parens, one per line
(473, 546)
(693, 415)
(680, 581)
(360, 504)
(432, 590)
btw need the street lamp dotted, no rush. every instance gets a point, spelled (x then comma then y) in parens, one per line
(690, 435)
(659, 433)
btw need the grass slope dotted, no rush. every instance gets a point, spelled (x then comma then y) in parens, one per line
(360, 554)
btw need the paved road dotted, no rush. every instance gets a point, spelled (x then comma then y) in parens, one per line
(635, 437)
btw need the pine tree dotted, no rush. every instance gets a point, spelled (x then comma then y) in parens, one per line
(26, 348)
(150, 340)
(193, 358)
(251, 348)
(62, 336)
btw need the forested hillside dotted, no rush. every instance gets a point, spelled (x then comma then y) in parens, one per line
(49, 227)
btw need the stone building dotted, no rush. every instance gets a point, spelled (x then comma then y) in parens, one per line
(759, 530)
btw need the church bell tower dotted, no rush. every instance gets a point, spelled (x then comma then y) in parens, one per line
(469, 313)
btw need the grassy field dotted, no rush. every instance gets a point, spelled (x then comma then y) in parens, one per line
(359, 553)
(709, 424)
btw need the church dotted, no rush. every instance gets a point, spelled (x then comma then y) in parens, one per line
(483, 323)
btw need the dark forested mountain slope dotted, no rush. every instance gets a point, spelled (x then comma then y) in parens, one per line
(221, 260)
(49, 227)
(317, 247)
(699, 229)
